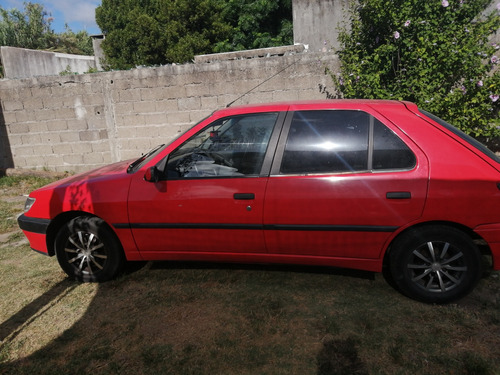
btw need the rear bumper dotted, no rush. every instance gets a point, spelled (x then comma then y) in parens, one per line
(35, 230)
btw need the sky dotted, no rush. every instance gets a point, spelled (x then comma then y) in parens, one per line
(78, 14)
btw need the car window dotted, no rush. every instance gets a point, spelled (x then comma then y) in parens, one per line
(229, 147)
(338, 141)
(389, 151)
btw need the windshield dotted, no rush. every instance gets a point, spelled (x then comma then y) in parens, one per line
(472, 141)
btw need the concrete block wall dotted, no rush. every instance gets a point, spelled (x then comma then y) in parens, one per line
(25, 63)
(76, 123)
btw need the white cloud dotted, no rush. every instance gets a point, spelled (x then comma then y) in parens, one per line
(75, 11)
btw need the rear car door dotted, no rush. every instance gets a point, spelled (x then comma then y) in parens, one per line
(342, 182)
(212, 194)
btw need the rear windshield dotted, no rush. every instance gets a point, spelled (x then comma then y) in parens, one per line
(473, 142)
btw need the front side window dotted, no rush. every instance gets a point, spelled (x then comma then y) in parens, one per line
(339, 141)
(229, 147)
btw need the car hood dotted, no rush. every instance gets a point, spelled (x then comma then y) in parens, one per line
(106, 172)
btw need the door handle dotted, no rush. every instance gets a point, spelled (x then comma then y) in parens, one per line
(398, 195)
(244, 196)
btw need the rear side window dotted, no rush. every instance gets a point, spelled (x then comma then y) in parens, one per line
(339, 141)
(389, 151)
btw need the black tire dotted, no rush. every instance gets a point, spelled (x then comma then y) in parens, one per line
(88, 251)
(435, 264)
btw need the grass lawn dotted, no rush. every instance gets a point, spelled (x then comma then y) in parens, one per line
(194, 318)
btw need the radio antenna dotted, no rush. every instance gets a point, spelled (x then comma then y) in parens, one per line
(260, 84)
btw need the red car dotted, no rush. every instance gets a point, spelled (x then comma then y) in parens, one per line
(360, 184)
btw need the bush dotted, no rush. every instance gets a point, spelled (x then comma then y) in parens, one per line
(436, 53)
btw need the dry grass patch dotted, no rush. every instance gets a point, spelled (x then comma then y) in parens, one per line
(191, 318)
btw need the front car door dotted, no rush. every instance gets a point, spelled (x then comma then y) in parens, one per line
(211, 196)
(342, 183)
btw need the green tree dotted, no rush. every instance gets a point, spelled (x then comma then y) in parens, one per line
(257, 24)
(77, 43)
(27, 29)
(31, 28)
(435, 53)
(152, 32)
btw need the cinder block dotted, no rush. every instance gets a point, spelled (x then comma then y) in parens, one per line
(123, 108)
(33, 103)
(103, 134)
(12, 105)
(198, 89)
(42, 150)
(101, 147)
(19, 128)
(40, 92)
(175, 118)
(81, 148)
(174, 92)
(70, 136)
(89, 135)
(209, 103)
(45, 114)
(24, 150)
(132, 95)
(144, 107)
(165, 106)
(197, 116)
(93, 99)
(189, 104)
(73, 159)
(65, 113)
(151, 93)
(62, 148)
(96, 122)
(126, 132)
(141, 144)
(9, 117)
(30, 139)
(49, 138)
(77, 125)
(155, 118)
(93, 158)
(25, 116)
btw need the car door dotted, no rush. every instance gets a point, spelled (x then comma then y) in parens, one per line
(210, 198)
(341, 184)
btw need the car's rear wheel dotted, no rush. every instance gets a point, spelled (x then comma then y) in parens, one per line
(436, 264)
(88, 251)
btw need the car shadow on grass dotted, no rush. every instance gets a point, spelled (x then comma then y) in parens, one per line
(10, 328)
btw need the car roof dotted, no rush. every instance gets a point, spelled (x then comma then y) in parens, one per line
(312, 104)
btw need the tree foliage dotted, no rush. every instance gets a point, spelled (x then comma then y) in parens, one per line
(153, 32)
(31, 28)
(257, 24)
(435, 53)
(28, 29)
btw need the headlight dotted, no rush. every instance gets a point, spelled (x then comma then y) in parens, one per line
(29, 203)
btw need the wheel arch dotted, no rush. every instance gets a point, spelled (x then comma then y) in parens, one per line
(477, 239)
(57, 223)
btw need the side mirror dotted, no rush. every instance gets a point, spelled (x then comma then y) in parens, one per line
(152, 174)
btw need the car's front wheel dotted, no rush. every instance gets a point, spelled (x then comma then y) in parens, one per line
(88, 251)
(436, 264)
